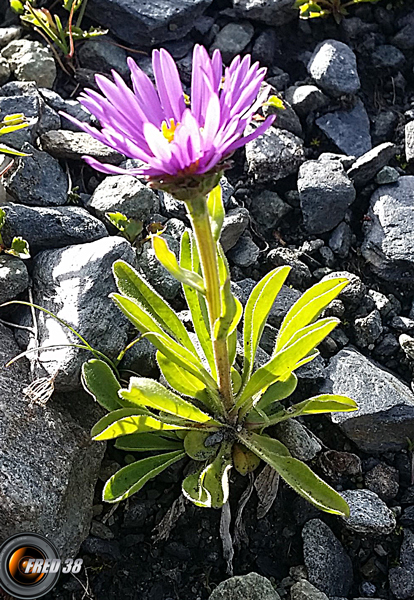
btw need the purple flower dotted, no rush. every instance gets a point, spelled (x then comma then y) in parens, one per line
(173, 135)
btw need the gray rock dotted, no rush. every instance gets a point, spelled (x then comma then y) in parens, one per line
(274, 155)
(235, 223)
(298, 439)
(329, 567)
(369, 515)
(103, 54)
(300, 275)
(124, 194)
(354, 292)
(305, 99)
(37, 180)
(245, 253)
(141, 359)
(72, 107)
(333, 68)
(404, 39)
(233, 39)
(389, 232)
(248, 587)
(268, 209)
(150, 22)
(348, 130)
(74, 282)
(402, 324)
(71, 145)
(383, 126)
(5, 70)
(326, 192)
(385, 416)
(402, 578)
(31, 61)
(269, 12)
(157, 275)
(409, 141)
(303, 590)
(9, 34)
(47, 228)
(14, 278)
(387, 57)
(31, 107)
(56, 499)
(387, 175)
(341, 239)
(383, 480)
(367, 166)
(286, 119)
(367, 329)
(264, 47)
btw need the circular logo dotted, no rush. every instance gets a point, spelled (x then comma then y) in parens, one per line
(29, 566)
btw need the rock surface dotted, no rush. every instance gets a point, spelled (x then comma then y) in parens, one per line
(333, 68)
(348, 130)
(274, 155)
(248, 587)
(31, 61)
(269, 12)
(14, 278)
(401, 578)
(368, 513)
(367, 166)
(233, 39)
(73, 145)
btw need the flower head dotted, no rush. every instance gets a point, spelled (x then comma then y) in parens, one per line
(176, 137)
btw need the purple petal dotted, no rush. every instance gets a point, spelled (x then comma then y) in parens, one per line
(252, 136)
(104, 167)
(168, 84)
(146, 94)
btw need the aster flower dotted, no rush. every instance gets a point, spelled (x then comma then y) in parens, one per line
(175, 136)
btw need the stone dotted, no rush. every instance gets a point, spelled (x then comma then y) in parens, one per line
(73, 145)
(74, 283)
(348, 130)
(124, 194)
(270, 12)
(298, 440)
(404, 39)
(329, 567)
(233, 39)
(264, 47)
(389, 231)
(5, 70)
(387, 175)
(303, 590)
(333, 68)
(367, 329)
(268, 209)
(14, 278)
(141, 359)
(326, 193)
(383, 480)
(385, 416)
(245, 253)
(383, 126)
(31, 107)
(388, 57)
(153, 270)
(149, 22)
(409, 141)
(31, 61)
(248, 587)
(369, 515)
(401, 578)
(402, 324)
(37, 180)
(9, 34)
(103, 54)
(341, 239)
(72, 107)
(56, 499)
(235, 224)
(368, 165)
(46, 228)
(354, 292)
(306, 98)
(300, 275)
(274, 155)
(286, 119)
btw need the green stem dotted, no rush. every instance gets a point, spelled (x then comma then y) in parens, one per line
(207, 249)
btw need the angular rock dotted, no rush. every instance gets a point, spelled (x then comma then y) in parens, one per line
(245, 253)
(74, 283)
(235, 223)
(268, 209)
(248, 587)
(31, 61)
(9, 34)
(354, 292)
(368, 165)
(37, 180)
(383, 480)
(71, 145)
(306, 98)
(47, 228)
(341, 239)
(348, 130)
(274, 155)
(369, 515)
(233, 39)
(303, 590)
(385, 416)
(14, 278)
(72, 107)
(153, 270)
(286, 119)
(51, 491)
(298, 439)
(367, 329)
(326, 192)
(388, 57)
(5, 70)
(387, 175)
(402, 578)
(269, 12)
(409, 141)
(150, 22)
(333, 68)
(389, 232)
(103, 54)
(300, 275)
(329, 567)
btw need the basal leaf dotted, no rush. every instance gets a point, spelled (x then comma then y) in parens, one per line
(168, 259)
(147, 442)
(278, 391)
(325, 403)
(19, 247)
(129, 420)
(244, 460)
(195, 448)
(99, 380)
(209, 487)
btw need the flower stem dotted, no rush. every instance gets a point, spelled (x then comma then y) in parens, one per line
(207, 249)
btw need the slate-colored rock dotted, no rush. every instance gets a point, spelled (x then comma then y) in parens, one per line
(329, 567)
(303, 590)
(73, 145)
(389, 232)
(367, 329)
(37, 180)
(369, 515)
(385, 416)
(383, 480)
(368, 165)
(153, 270)
(274, 155)
(341, 239)
(233, 39)
(387, 175)
(286, 119)
(47, 228)
(269, 12)
(388, 57)
(268, 209)
(51, 491)
(9, 34)
(348, 130)
(31, 61)
(298, 439)
(401, 578)
(103, 54)
(333, 68)
(235, 224)
(245, 253)
(306, 98)
(5, 70)
(248, 587)
(300, 275)
(409, 141)
(14, 278)
(149, 22)
(72, 107)
(74, 283)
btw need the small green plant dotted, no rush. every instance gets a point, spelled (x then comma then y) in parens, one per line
(19, 247)
(61, 36)
(130, 229)
(9, 124)
(309, 9)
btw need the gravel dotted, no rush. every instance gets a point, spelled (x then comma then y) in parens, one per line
(333, 68)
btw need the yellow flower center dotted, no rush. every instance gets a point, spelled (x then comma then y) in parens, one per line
(168, 129)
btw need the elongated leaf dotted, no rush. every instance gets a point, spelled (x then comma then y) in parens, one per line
(309, 306)
(132, 285)
(216, 211)
(209, 487)
(143, 391)
(132, 478)
(7, 150)
(99, 380)
(256, 313)
(325, 403)
(232, 309)
(298, 475)
(278, 391)
(147, 442)
(129, 420)
(168, 259)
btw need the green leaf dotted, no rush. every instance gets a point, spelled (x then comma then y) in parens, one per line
(131, 228)
(130, 420)
(209, 487)
(168, 260)
(99, 380)
(308, 308)
(244, 460)
(216, 211)
(143, 391)
(278, 391)
(2, 218)
(132, 285)
(325, 403)
(12, 151)
(256, 313)
(19, 247)
(232, 309)
(147, 442)
(275, 102)
(17, 6)
(298, 475)
(195, 448)
(132, 478)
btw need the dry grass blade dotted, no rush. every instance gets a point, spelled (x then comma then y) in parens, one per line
(40, 390)
(267, 485)
(240, 535)
(168, 522)
(228, 550)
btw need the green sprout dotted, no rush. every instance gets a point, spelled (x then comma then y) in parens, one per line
(130, 229)
(9, 124)
(310, 9)
(19, 247)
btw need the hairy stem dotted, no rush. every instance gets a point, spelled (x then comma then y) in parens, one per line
(207, 249)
